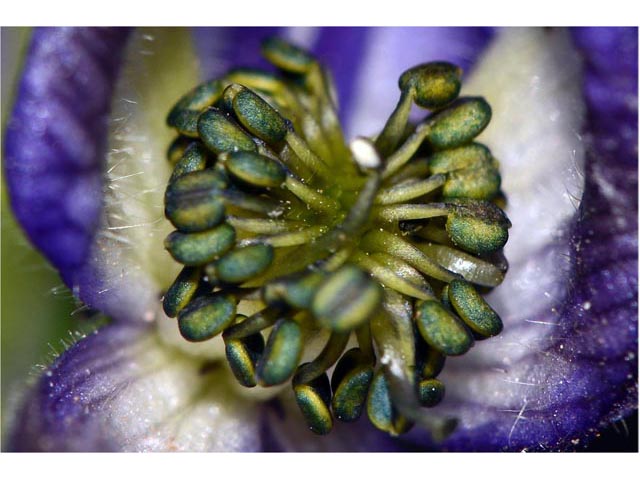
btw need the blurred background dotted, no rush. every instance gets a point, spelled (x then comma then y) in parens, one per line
(36, 308)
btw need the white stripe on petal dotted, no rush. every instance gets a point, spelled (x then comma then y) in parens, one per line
(532, 79)
(124, 389)
(129, 266)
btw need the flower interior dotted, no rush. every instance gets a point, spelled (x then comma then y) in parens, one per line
(382, 246)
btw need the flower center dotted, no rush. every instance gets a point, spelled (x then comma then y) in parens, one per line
(381, 240)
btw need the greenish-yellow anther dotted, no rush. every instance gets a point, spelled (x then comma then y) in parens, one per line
(206, 316)
(244, 263)
(473, 309)
(459, 124)
(243, 355)
(221, 134)
(434, 84)
(379, 241)
(314, 400)
(477, 226)
(441, 329)
(255, 169)
(181, 291)
(282, 353)
(345, 299)
(200, 248)
(192, 203)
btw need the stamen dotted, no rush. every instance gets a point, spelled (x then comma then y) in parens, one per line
(274, 211)
(409, 190)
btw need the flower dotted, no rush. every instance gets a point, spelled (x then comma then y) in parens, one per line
(563, 130)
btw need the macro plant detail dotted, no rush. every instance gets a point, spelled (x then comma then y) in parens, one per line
(279, 223)
(85, 170)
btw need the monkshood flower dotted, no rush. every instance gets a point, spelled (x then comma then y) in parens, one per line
(86, 168)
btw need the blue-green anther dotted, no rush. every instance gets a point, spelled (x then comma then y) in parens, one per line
(186, 122)
(184, 114)
(444, 298)
(459, 123)
(282, 353)
(346, 299)
(207, 316)
(473, 309)
(377, 242)
(477, 226)
(192, 203)
(258, 117)
(432, 363)
(430, 392)
(350, 384)
(435, 84)
(226, 103)
(441, 329)
(481, 183)
(181, 291)
(314, 400)
(193, 159)
(380, 409)
(256, 170)
(286, 56)
(221, 134)
(243, 355)
(200, 248)
(296, 290)
(467, 156)
(177, 148)
(430, 85)
(243, 263)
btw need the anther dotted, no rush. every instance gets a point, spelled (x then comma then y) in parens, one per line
(345, 299)
(441, 329)
(200, 248)
(243, 355)
(282, 353)
(350, 383)
(206, 316)
(431, 85)
(184, 115)
(473, 309)
(221, 134)
(385, 239)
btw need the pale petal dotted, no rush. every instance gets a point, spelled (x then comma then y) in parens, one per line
(122, 389)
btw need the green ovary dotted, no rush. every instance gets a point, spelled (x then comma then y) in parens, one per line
(270, 205)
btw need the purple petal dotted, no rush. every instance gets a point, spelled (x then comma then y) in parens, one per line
(122, 389)
(56, 137)
(221, 49)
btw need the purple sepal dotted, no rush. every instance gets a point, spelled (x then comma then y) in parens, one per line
(63, 408)
(222, 49)
(56, 137)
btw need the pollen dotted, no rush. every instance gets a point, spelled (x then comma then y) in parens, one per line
(376, 244)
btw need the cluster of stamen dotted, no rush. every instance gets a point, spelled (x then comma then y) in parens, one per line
(380, 242)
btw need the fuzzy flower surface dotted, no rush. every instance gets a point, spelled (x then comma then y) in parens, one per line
(85, 170)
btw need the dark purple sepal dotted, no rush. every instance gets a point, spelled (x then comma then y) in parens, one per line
(64, 409)
(224, 48)
(56, 137)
